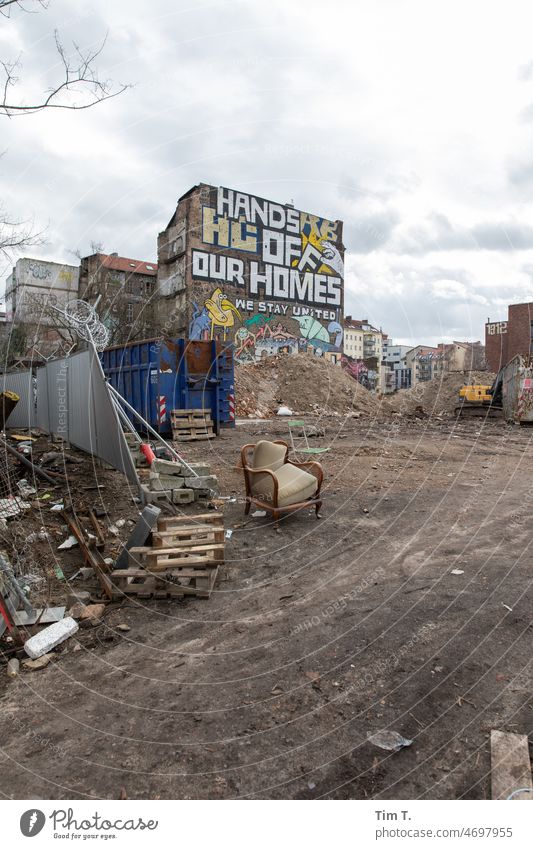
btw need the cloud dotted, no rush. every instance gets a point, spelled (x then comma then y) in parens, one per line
(430, 169)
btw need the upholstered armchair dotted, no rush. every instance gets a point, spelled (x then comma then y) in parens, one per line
(277, 484)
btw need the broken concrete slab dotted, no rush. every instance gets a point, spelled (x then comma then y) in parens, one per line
(160, 483)
(167, 467)
(204, 482)
(50, 637)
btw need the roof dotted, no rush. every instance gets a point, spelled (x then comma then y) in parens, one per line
(130, 266)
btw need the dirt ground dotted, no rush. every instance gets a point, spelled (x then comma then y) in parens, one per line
(315, 638)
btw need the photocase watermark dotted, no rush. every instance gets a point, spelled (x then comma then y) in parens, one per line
(65, 824)
(32, 822)
(340, 603)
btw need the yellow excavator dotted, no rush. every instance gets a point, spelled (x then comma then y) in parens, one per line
(478, 399)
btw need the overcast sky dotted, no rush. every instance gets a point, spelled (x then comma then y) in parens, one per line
(412, 121)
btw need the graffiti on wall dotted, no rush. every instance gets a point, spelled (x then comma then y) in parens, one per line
(270, 331)
(285, 254)
(277, 276)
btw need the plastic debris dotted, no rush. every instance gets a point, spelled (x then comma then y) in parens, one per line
(284, 411)
(50, 637)
(258, 514)
(228, 534)
(56, 508)
(70, 542)
(25, 489)
(13, 668)
(457, 572)
(391, 741)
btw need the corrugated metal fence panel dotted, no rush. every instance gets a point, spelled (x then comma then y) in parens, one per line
(73, 403)
(58, 401)
(42, 400)
(111, 444)
(21, 382)
(81, 404)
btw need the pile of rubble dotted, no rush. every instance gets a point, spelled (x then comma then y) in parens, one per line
(437, 397)
(302, 382)
(169, 480)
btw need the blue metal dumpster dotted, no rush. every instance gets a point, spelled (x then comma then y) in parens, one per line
(159, 375)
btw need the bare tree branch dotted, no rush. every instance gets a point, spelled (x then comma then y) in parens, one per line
(80, 87)
(17, 235)
(6, 6)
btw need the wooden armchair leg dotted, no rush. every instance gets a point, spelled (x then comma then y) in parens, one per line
(318, 505)
(247, 507)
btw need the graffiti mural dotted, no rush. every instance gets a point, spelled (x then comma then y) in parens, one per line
(275, 277)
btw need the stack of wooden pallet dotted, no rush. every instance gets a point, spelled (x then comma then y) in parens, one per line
(189, 425)
(183, 559)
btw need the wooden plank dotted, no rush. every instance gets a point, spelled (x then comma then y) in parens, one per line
(174, 562)
(124, 574)
(172, 542)
(510, 765)
(166, 523)
(196, 411)
(191, 549)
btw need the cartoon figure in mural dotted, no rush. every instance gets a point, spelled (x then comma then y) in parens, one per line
(314, 333)
(199, 324)
(335, 327)
(221, 312)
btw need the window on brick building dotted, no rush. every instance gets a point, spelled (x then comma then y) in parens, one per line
(129, 312)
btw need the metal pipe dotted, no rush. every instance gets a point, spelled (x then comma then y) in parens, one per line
(125, 419)
(30, 465)
(150, 429)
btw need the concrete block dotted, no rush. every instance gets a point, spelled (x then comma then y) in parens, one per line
(164, 482)
(202, 482)
(151, 497)
(50, 637)
(166, 467)
(201, 469)
(182, 496)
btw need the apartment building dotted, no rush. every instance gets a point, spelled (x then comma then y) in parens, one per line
(364, 343)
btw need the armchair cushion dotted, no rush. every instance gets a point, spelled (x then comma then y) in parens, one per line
(294, 485)
(268, 455)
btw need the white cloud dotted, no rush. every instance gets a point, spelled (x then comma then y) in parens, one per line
(404, 119)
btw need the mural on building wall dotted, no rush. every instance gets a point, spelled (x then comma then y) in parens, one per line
(262, 334)
(278, 274)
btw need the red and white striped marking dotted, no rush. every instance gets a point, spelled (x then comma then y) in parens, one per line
(162, 408)
(231, 399)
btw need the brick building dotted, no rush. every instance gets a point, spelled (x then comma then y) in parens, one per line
(364, 343)
(126, 289)
(263, 275)
(505, 339)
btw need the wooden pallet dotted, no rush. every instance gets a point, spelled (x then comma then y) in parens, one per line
(176, 583)
(183, 559)
(190, 425)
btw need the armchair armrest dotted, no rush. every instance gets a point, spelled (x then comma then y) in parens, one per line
(249, 471)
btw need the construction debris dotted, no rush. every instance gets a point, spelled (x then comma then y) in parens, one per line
(183, 559)
(303, 383)
(50, 637)
(13, 667)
